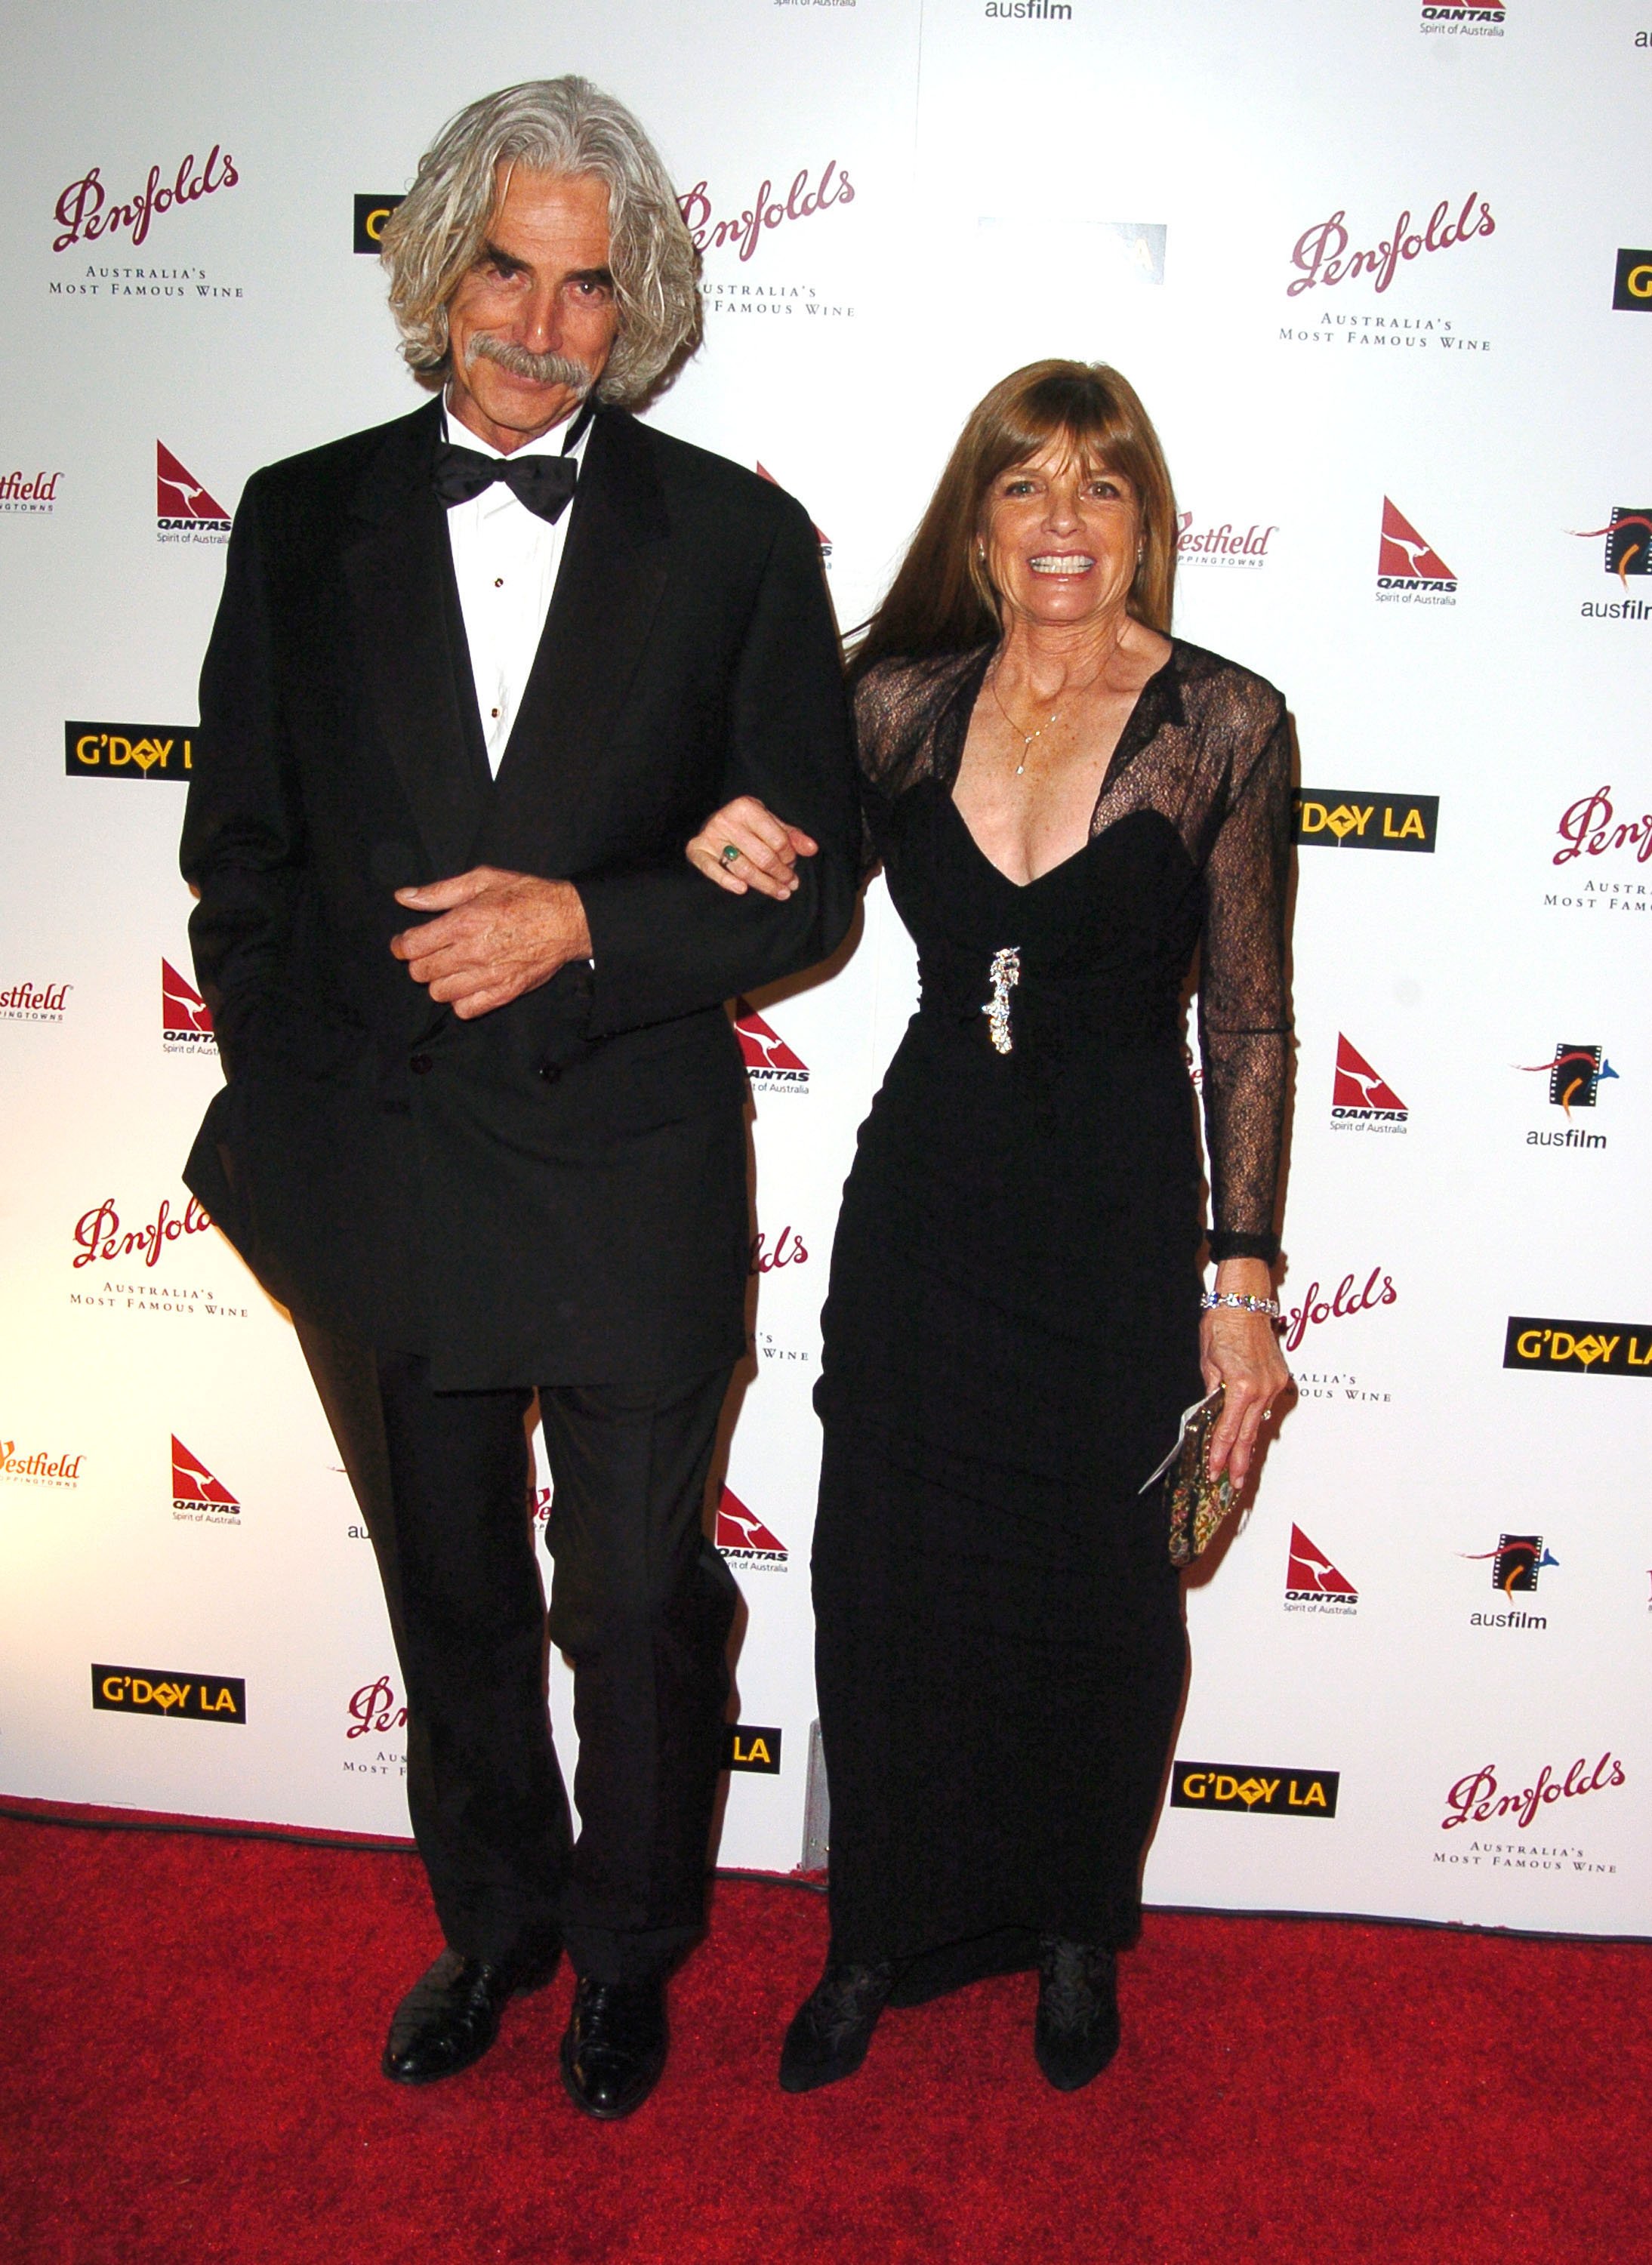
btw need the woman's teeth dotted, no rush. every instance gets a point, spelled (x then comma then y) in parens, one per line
(1071, 563)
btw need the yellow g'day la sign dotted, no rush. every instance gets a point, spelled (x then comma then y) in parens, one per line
(1351, 818)
(1253, 1792)
(134, 751)
(169, 1691)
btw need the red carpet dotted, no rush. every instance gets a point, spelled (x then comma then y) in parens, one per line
(188, 2076)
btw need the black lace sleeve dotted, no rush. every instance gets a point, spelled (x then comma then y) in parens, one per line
(1244, 1017)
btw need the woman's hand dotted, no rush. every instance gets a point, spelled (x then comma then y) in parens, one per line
(769, 849)
(1241, 1352)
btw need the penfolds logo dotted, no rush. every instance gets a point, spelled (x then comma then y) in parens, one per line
(375, 1711)
(85, 212)
(1477, 1799)
(790, 1250)
(1322, 252)
(1343, 1303)
(1588, 828)
(767, 210)
(100, 1239)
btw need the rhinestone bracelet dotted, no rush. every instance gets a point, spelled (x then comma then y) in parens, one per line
(1214, 1297)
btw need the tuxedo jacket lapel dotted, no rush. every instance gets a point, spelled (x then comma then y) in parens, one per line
(398, 569)
(613, 574)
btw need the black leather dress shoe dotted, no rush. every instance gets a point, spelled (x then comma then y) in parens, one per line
(1076, 2032)
(831, 2028)
(614, 2046)
(451, 2015)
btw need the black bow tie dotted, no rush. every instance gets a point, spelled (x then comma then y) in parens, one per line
(544, 483)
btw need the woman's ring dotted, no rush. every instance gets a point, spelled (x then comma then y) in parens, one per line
(730, 853)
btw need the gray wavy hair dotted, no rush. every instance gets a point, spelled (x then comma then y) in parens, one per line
(551, 126)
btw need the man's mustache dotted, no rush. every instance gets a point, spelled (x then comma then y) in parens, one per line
(538, 369)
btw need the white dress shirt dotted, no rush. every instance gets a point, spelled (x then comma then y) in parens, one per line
(506, 560)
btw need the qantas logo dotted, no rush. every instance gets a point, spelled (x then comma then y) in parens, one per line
(1311, 1580)
(196, 1494)
(185, 1022)
(182, 505)
(1405, 560)
(770, 1064)
(1361, 1099)
(743, 1539)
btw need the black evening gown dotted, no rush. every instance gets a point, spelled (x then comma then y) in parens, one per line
(1011, 1330)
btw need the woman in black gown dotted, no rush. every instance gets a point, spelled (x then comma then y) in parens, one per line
(1068, 805)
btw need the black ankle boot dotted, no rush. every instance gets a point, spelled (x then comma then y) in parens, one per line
(831, 2028)
(1076, 2033)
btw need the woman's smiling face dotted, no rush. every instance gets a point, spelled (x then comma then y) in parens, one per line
(1062, 538)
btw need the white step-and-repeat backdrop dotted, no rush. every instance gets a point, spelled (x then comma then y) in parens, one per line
(1383, 272)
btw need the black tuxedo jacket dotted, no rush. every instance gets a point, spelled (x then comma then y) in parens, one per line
(555, 1192)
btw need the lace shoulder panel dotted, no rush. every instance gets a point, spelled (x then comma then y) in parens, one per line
(899, 707)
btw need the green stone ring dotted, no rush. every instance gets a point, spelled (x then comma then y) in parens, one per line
(730, 853)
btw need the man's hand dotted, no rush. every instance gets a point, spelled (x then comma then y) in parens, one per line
(498, 934)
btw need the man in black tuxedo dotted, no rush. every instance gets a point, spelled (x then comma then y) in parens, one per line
(482, 1129)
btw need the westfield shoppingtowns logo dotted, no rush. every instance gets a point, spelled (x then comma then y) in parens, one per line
(34, 1002)
(743, 1539)
(1578, 1348)
(1477, 1798)
(183, 507)
(29, 493)
(771, 1066)
(197, 1496)
(1409, 569)
(1272, 1792)
(1226, 545)
(1321, 253)
(39, 1465)
(169, 1691)
(1353, 817)
(130, 750)
(185, 1022)
(1312, 1583)
(86, 211)
(1363, 1100)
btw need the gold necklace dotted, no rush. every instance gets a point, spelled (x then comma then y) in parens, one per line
(1026, 738)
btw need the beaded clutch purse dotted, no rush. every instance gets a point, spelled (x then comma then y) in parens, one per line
(1197, 1502)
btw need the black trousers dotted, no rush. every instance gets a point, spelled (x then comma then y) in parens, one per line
(640, 1602)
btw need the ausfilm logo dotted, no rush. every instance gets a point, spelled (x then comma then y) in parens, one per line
(39, 1466)
(198, 1497)
(86, 211)
(31, 494)
(1516, 1564)
(1628, 550)
(1245, 549)
(186, 1021)
(1362, 1100)
(130, 750)
(1477, 19)
(1354, 817)
(1479, 1798)
(1578, 1348)
(1321, 253)
(1409, 570)
(771, 1066)
(821, 536)
(1575, 1074)
(1312, 1583)
(183, 510)
(34, 1002)
(743, 1539)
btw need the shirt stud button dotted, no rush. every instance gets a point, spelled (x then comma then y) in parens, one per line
(420, 1063)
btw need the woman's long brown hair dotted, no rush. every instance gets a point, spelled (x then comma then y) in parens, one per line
(941, 600)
